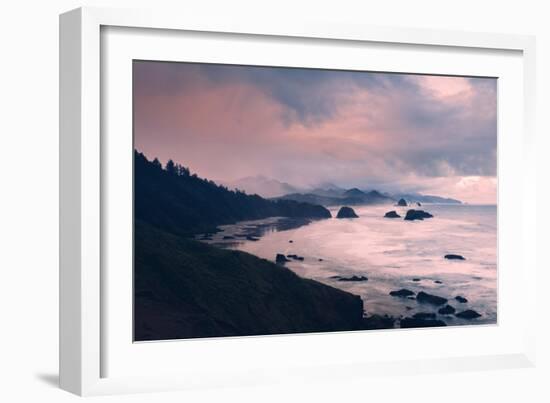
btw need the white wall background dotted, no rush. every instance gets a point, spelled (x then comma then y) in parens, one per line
(29, 201)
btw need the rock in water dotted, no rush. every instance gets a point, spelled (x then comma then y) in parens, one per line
(417, 215)
(424, 315)
(414, 322)
(454, 257)
(430, 299)
(280, 258)
(402, 203)
(401, 293)
(392, 214)
(446, 310)
(461, 299)
(468, 314)
(353, 278)
(346, 212)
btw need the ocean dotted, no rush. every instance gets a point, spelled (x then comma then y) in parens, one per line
(392, 253)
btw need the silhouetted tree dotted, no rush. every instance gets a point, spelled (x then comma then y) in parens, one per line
(171, 167)
(156, 163)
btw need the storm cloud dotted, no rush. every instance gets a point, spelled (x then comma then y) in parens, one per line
(433, 134)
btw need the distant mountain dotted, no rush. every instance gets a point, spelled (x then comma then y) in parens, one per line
(354, 192)
(184, 204)
(417, 197)
(351, 197)
(262, 186)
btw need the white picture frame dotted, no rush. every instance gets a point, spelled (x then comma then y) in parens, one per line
(88, 338)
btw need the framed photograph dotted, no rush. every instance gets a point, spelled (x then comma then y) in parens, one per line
(244, 202)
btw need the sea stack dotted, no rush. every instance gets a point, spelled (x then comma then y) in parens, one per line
(417, 215)
(346, 212)
(392, 214)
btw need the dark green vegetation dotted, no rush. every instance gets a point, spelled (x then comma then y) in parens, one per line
(182, 203)
(188, 289)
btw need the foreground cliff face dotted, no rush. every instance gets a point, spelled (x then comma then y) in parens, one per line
(187, 289)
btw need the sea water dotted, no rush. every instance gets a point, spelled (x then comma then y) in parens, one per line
(390, 252)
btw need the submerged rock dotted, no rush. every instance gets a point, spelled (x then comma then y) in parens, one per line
(392, 214)
(461, 299)
(446, 310)
(353, 278)
(454, 257)
(418, 204)
(402, 203)
(430, 299)
(280, 258)
(416, 279)
(414, 322)
(417, 215)
(346, 212)
(438, 281)
(468, 314)
(401, 293)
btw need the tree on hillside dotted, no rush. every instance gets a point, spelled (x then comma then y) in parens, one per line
(171, 168)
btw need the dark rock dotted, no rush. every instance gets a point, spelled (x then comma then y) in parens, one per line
(416, 279)
(446, 310)
(413, 298)
(378, 322)
(353, 278)
(252, 238)
(461, 299)
(401, 293)
(291, 241)
(320, 259)
(418, 204)
(468, 314)
(408, 308)
(438, 281)
(346, 212)
(228, 237)
(402, 203)
(454, 257)
(417, 215)
(430, 299)
(424, 315)
(392, 214)
(295, 257)
(414, 322)
(335, 277)
(280, 258)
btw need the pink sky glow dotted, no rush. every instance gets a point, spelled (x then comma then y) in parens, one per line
(391, 132)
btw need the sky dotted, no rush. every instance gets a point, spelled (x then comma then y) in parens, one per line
(308, 127)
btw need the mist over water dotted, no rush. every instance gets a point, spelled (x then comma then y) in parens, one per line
(391, 253)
